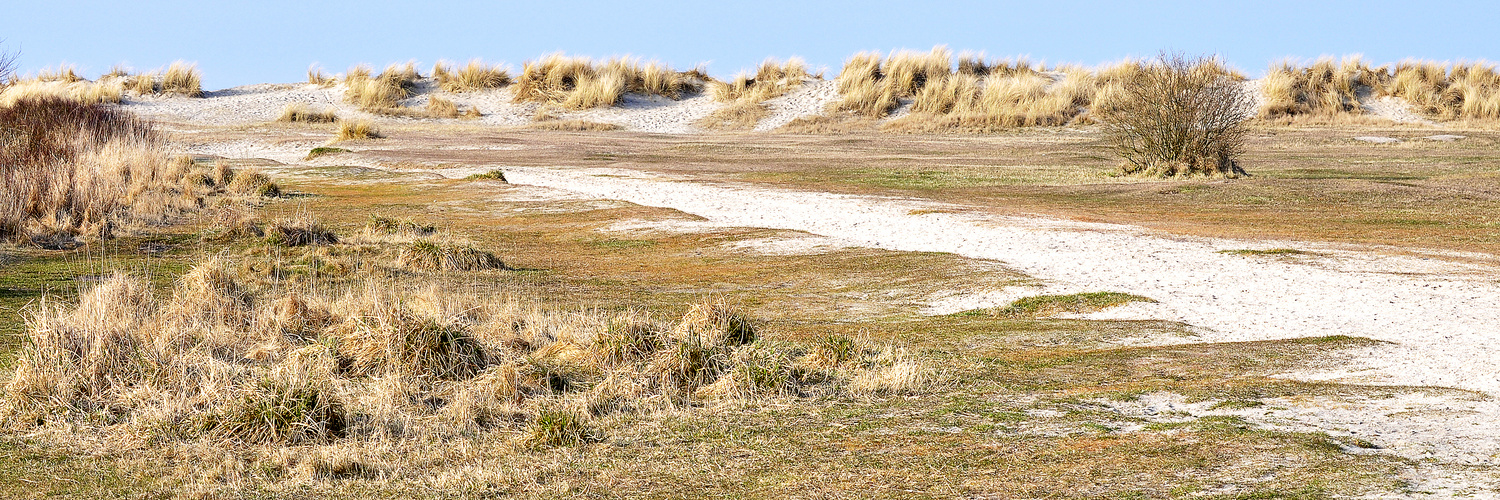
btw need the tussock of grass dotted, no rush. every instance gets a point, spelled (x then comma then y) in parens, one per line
(322, 151)
(474, 76)
(316, 76)
(1325, 87)
(388, 226)
(356, 130)
(740, 115)
(1043, 306)
(978, 96)
(76, 169)
(380, 92)
(574, 126)
(493, 175)
(581, 83)
(102, 92)
(302, 113)
(1330, 89)
(1270, 252)
(182, 78)
(431, 255)
(252, 182)
(302, 231)
(438, 107)
(229, 362)
(772, 79)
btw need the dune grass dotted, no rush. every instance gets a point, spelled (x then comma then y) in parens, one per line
(105, 91)
(374, 363)
(582, 83)
(1332, 89)
(573, 126)
(353, 130)
(74, 169)
(302, 113)
(1043, 306)
(975, 96)
(380, 92)
(739, 115)
(771, 79)
(472, 77)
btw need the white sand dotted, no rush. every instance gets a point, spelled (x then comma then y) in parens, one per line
(806, 101)
(1441, 324)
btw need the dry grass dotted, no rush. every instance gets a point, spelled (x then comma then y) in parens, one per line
(473, 77)
(978, 96)
(302, 113)
(582, 83)
(266, 371)
(1325, 87)
(354, 130)
(437, 255)
(65, 73)
(183, 79)
(248, 182)
(739, 115)
(573, 126)
(772, 79)
(1332, 89)
(105, 91)
(316, 76)
(380, 92)
(75, 169)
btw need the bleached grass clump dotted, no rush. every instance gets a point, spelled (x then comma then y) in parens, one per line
(109, 91)
(380, 92)
(978, 95)
(582, 83)
(772, 79)
(302, 113)
(257, 368)
(74, 169)
(474, 76)
(353, 130)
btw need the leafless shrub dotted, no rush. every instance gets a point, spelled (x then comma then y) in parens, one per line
(1179, 116)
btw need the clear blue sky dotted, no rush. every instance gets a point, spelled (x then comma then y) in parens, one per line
(237, 43)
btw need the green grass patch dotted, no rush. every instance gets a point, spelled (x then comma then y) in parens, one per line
(316, 152)
(493, 175)
(1270, 252)
(621, 244)
(1042, 306)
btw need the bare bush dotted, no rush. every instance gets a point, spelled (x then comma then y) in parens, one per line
(1179, 116)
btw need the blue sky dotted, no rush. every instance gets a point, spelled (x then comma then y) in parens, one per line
(237, 43)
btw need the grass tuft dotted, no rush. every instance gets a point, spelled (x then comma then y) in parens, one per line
(302, 113)
(473, 77)
(1043, 306)
(356, 130)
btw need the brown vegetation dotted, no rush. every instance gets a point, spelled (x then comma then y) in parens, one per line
(1179, 116)
(739, 115)
(302, 113)
(581, 83)
(356, 130)
(474, 76)
(772, 79)
(68, 168)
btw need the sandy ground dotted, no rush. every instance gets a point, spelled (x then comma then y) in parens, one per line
(1439, 316)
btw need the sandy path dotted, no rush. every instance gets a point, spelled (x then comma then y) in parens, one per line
(1443, 319)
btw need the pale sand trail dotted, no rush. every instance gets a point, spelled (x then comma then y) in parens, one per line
(1444, 323)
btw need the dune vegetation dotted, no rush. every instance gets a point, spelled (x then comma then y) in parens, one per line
(74, 169)
(578, 83)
